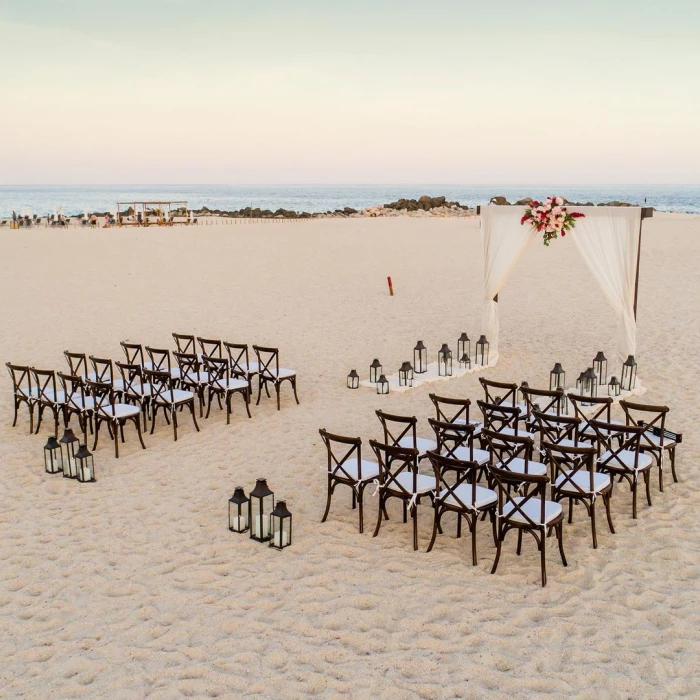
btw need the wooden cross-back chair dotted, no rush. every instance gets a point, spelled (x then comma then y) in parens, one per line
(450, 410)
(345, 467)
(557, 430)
(78, 365)
(160, 362)
(547, 401)
(240, 363)
(400, 431)
(77, 401)
(270, 372)
(165, 396)
(22, 391)
(530, 513)
(221, 383)
(456, 441)
(185, 343)
(620, 454)
(399, 478)
(134, 354)
(47, 396)
(505, 393)
(512, 453)
(192, 377)
(108, 409)
(574, 476)
(656, 439)
(211, 348)
(587, 409)
(104, 374)
(457, 491)
(136, 389)
(503, 419)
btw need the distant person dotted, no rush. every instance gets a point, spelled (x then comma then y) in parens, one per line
(93, 220)
(14, 215)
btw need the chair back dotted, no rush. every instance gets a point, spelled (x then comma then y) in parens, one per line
(450, 474)
(161, 383)
(238, 358)
(73, 390)
(498, 417)
(212, 348)
(505, 393)
(544, 400)
(397, 427)
(21, 381)
(614, 440)
(554, 429)
(449, 410)
(104, 370)
(343, 451)
(134, 353)
(589, 408)
(45, 385)
(185, 343)
(160, 359)
(218, 369)
(189, 365)
(451, 436)
(132, 377)
(103, 396)
(268, 361)
(394, 461)
(507, 448)
(511, 504)
(77, 363)
(567, 462)
(651, 418)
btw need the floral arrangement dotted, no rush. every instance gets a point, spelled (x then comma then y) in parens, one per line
(550, 218)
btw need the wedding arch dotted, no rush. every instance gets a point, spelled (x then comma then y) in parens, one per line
(609, 241)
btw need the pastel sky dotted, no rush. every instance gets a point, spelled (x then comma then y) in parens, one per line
(359, 91)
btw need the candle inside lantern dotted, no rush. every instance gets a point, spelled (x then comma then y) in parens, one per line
(280, 538)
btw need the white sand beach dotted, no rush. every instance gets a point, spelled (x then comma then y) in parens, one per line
(133, 587)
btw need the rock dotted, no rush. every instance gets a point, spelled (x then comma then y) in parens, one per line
(438, 201)
(526, 202)
(501, 201)
(349, 210)
(614, 203)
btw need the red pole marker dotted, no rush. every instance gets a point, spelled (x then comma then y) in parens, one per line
(391, 286)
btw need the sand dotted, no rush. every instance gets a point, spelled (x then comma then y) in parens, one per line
(133, 587)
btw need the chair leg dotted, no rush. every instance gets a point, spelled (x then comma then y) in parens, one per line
(228, 409)
(246, 398)
(459, 525)
(382, 507)
(97, 433)
(121, 430)
(595, 538)
(405, 511)
(661, 473)
(40, 416)
(606, 500)
(634, 497)
(560, 537)
(672, 454)
(154, 412)
(174, 422)
(474, 521)
(14, 422)
(137, 422)
(571, 511)
(436, 521)
(360, 496)
(354, 499)
(260, 383)
(543, 564)
(294, 386)
(116, 439)
(415, 527)
(647, 481)
(499, 540)
(277, 391)
(520, 542)
(194, 417)
(328, 501)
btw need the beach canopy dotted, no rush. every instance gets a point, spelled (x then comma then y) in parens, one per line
(608, 239)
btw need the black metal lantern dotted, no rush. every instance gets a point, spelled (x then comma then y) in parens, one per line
(557, 377)
(589, 383)
(629, 374)
(238, 511)
(406, 375)
(465, 362)
(261, 503)
(69, 443)
(382, 385)
(464, 346)
(84, 465)
(600, 367)
(420, 358)
(353, 380)
(375, 370)
(53, 456)
(613, 387)
(481, 354)
(445, 361)
(281, 526)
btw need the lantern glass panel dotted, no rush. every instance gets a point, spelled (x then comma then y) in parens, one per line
(420, 358)
(463, 346)
(53, 456)
(629, 374)
(406, 375)
(84, 465)
(481, 354)
(262, 502)
(445, 361)
(238, 511)
(613, 387)
(557, 377)
(600, 367)
(382, 385)
(69, 443)
(375, 370)
(465, 361)
(353, 379)
(280, 526)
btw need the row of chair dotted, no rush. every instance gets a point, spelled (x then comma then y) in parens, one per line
(486, 468)
(145, 387)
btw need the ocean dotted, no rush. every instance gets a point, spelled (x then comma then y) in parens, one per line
(75, 199)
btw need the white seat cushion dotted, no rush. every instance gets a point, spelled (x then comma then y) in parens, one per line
(282, 374)
(517, 464)
(48, 395)
(250, 368)
(627, 457)
(179, 396)
(370, 470)
(656, 440)
(86, 404)
(484, 496)
(122, 410)
(590, 430)
(481, 457)
(424, 483)
(532, 509)
(175, 373)
(422, 444)
(477, 424)
(232, 384)
(196, 377)
(521, 433)
(583, 480)
(140, 390)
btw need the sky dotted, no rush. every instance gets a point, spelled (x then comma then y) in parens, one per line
(359, 91)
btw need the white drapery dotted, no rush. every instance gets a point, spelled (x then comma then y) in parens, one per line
(608, 240)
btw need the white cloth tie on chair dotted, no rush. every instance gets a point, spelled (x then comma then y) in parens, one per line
(413, 501)
(378, 486)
